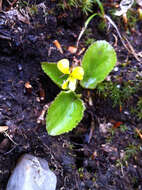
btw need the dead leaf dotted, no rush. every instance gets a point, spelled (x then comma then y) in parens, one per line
(125, 5)
(72, 49)
(81, 51)
(42, 93)
(58, 46)
(139, 2)
(3, 128)
(120, 108)
(117, 124)
(28, 85)
(138, 132)
(15, 13)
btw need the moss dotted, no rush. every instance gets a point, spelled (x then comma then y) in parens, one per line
(118, 94)
(86, 6)
(89, 41)
(130, 151)
(137, 110)
(122, 95)
(132, 18)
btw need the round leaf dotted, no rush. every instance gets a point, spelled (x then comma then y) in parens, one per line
(98, 62)
(53, 72)
(64, 114)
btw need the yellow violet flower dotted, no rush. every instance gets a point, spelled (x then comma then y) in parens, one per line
(77, 73)
(63, 66)
(74, 75)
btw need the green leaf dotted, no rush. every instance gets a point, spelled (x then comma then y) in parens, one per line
(53, 72)
(98, 62)
(85, 27)
(64, 113)
(101, 7)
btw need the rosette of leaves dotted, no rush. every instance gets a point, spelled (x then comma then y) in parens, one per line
(66, 111)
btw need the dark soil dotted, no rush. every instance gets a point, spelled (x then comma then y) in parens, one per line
(98, 154)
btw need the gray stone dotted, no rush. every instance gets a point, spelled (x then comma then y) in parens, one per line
(32, 173)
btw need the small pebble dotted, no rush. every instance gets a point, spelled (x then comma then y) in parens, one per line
(116, 69)
(126, 113)
(141, 148)
(20, 67)
(118, 86)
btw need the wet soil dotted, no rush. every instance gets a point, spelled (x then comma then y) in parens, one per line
(98, 154)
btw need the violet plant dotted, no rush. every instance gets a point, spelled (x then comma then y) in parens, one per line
(67, 110)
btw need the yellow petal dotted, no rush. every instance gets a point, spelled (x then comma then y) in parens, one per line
(72, 84)
(65, 84)
(77, 73)
(63, 66)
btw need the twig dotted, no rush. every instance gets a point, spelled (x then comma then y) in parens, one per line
(41, 117)
(0, 5)
(91, 130)
(127, 45)
(6, 134)
(9, 151)
(11, 4)
(5, 37)
(116, 40)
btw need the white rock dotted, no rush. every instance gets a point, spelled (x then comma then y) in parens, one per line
(32, 173)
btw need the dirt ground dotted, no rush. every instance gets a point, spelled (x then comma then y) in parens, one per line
(104, 152)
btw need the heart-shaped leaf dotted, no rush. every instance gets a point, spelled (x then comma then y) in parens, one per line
(98, 62)
(53, 72)
(64, 113)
